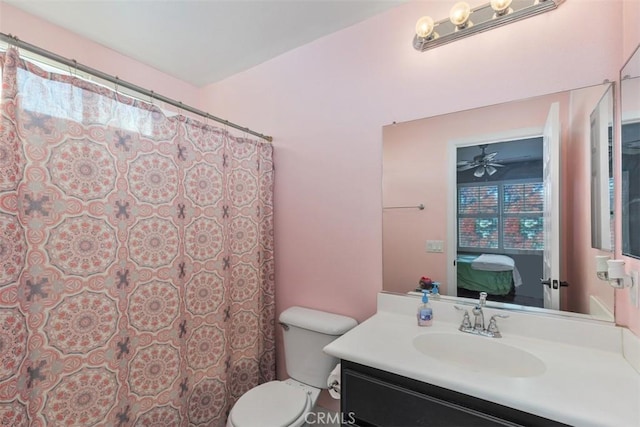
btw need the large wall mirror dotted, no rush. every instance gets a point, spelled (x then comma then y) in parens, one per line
(497, 198)
(630, 182)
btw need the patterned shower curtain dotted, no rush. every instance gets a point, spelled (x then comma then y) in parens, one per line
(136, 259)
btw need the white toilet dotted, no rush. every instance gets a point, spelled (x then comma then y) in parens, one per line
(286, 403)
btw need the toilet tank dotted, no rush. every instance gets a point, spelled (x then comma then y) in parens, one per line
(306, 333)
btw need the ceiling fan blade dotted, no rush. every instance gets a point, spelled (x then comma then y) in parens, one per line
(498, 165)
(463, 163)
(491, 170)
(467, 167)
(479, 172)
(490, 156)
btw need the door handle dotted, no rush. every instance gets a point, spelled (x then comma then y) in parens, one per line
(556, 283)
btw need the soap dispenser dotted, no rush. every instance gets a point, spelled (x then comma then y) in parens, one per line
(425, 312)
(435, 292)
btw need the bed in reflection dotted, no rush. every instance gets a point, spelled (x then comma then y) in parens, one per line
(497, 275)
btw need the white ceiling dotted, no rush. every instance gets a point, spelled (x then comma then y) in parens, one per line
(203, 41)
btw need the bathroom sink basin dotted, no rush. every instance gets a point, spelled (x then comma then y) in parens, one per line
(479, 354)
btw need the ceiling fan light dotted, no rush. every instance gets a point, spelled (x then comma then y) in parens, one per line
(491, 170)
(479, 172)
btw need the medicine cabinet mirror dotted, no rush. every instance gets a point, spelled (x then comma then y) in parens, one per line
(601, 139)
(630, 136)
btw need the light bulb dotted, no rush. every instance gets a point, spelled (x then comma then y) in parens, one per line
(500, 6)
(459, 14)
(424, 27)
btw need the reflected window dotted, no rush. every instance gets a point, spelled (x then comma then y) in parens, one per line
(504, 216)
(631, 189)
(523, 225)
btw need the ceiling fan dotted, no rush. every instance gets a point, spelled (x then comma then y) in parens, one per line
(482, 162)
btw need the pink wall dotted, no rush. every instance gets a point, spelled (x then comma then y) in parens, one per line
(580, 269)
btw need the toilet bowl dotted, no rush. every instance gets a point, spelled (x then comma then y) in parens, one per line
(276, 403)
(288, 403)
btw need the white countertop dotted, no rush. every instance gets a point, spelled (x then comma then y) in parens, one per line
(583, 385)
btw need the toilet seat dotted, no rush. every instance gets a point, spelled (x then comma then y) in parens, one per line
(270, 404)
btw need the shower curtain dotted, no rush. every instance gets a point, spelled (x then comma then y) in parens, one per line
(136, 259)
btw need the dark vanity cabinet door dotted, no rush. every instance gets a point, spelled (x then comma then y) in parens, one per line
(370, 397)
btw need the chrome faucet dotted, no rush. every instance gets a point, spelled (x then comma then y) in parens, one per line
(478, 314)
(478, 327)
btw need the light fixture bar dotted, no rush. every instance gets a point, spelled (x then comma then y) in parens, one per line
(482, 18)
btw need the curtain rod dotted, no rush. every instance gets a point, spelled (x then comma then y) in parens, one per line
(15, 41)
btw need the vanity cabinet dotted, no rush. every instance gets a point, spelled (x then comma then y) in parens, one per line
(371, 397)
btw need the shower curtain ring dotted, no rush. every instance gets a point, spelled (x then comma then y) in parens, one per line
(13, 41)
(73, 72)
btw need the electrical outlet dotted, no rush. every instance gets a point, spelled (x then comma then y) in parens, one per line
(633, 291)
(435, 246)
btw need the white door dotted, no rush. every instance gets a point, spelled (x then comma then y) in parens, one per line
(551, 174)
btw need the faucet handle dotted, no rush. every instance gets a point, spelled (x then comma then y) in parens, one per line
(466, 321)
(493, 325)
(503, 316)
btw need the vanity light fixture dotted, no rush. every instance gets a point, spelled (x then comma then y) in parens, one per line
(464, 21)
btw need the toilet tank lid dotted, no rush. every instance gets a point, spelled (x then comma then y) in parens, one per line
(318, 321)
